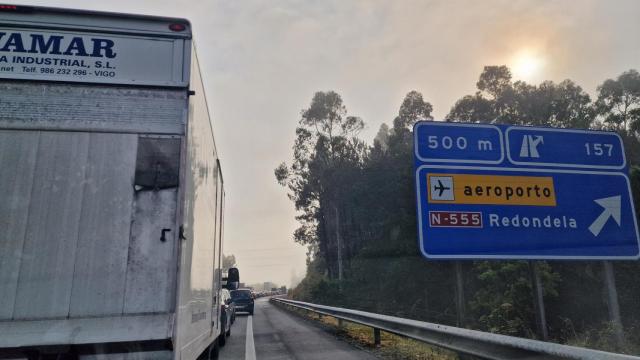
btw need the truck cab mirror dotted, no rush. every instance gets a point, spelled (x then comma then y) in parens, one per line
(234, 275)
(233, 278)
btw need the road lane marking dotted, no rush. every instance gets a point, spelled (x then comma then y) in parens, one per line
(249, 346)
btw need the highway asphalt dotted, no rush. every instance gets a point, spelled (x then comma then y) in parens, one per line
(273, 333)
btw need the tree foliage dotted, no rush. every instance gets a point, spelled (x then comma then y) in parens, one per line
(327, 154)
(503, 302)
(619, 101)
(228, 261)
(501, 101)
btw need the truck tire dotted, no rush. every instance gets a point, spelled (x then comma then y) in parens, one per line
(222, 339)
(214, 351)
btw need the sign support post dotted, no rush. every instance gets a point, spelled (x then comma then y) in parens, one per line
(339, 243)
(538, 301)
(460, 300)
(612, 302)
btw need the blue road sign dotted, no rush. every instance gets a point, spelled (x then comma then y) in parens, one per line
(532, 193)
(564, 148)
(436, 142)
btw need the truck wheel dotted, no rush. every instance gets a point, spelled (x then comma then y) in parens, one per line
(214, 351)
(222, 340)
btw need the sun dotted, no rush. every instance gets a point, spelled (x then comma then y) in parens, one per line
(527, 65)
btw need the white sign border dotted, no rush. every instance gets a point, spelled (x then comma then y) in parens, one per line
(581, 166)
(457, 124)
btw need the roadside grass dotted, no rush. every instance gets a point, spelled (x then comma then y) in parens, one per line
(603, 338)
(391, 346)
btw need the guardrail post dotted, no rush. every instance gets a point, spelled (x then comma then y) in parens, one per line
(376, 337)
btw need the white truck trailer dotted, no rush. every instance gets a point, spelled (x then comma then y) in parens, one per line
(111, 192)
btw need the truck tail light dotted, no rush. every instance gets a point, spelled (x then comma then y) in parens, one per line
(15, 8)
(177, 27)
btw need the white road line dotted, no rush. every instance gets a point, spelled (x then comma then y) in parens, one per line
(249, 346)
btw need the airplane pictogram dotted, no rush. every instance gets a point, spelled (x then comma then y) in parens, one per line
(440, 187)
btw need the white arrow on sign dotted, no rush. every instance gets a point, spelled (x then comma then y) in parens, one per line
(612, 208)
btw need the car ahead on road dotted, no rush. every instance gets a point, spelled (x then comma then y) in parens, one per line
(227, 316)
(243, 300)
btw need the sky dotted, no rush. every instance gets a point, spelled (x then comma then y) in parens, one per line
(262, 61)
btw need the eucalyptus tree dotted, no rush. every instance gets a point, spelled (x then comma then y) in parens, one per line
(499, 100)
(619, 101)
(327, 157)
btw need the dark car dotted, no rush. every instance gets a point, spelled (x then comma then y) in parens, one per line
(243, 300)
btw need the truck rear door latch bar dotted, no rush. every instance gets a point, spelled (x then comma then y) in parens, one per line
(163, 237)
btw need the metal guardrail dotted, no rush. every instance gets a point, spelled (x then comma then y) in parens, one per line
(464, 341)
